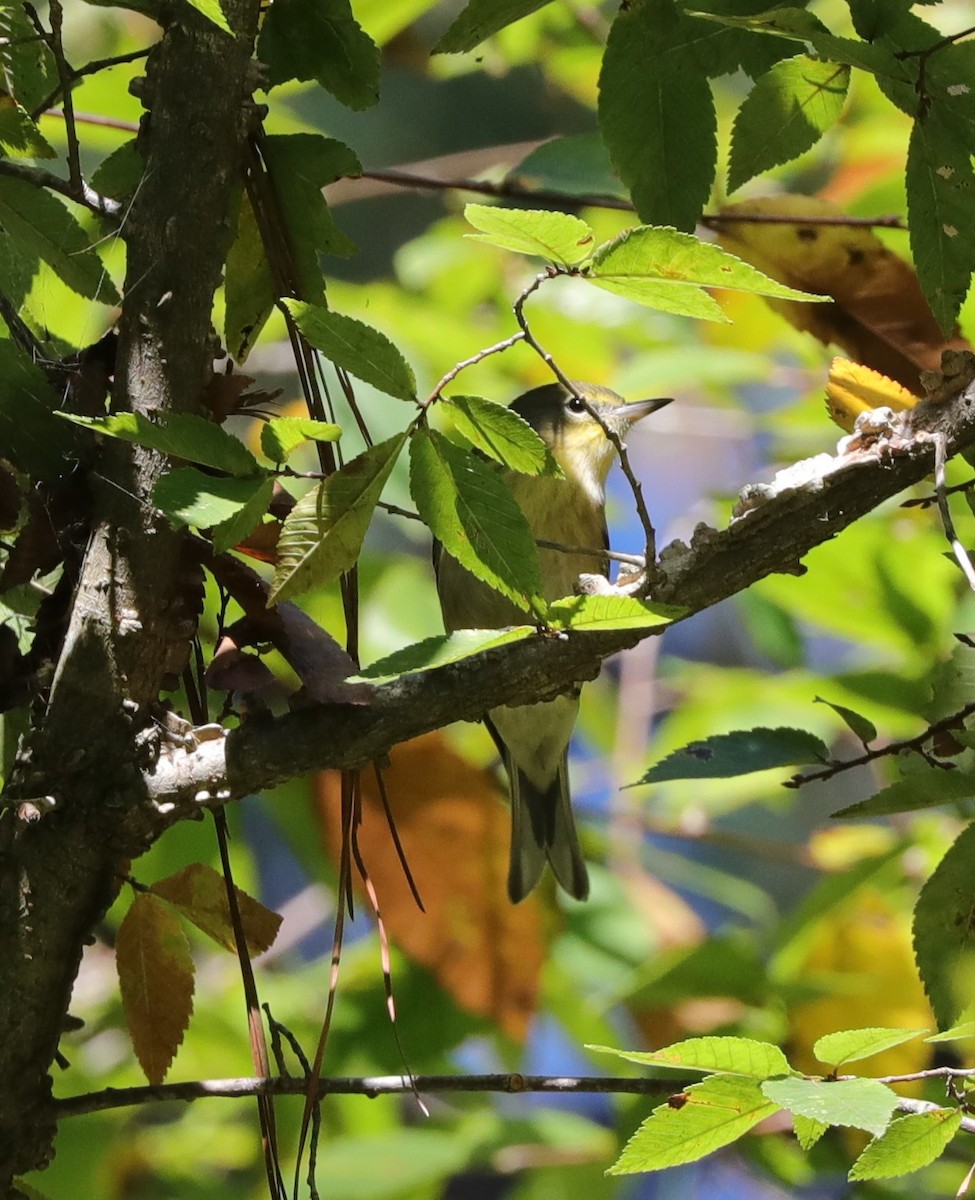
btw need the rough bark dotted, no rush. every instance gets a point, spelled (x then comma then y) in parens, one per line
(129, 625)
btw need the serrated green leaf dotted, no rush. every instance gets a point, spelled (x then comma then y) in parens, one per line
(555, 236)
(908, 1144)
(940, 185)
(480, 19)
(281, 436)
(229, 507)
(19, 136)
(28, 67)
(322, 535)
(576, 165)
(957, 1033)
(472, 513)
(32, 437)
(808, 1131)
(729, 754)
(501, 434)
(944, 930)
(851, 1045)
(249, 291)
(858, 725)
(926, 789)
(606, 613)
(440, 652)
(180, 435)
(120, 173)
(787, 112)
(711, 1114)
(858, 1103)
(321, 40)
(358, 348)
(45, 227)
(731, 1055)
(656, 113)
(213, 11)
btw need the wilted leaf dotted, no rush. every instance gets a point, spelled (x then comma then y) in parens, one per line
(852, 389)
(880, 317)
(858, 1103)
(485, 952)
(156, 978)
(709, 1115)
(555, 236)
(740, 753)
(200, 894)
(322, 535)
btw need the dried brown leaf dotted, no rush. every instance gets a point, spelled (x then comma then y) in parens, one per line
(200, 894)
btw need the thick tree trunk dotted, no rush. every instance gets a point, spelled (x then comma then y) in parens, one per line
(132, 612)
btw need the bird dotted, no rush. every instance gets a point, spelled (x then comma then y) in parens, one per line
(533, 739)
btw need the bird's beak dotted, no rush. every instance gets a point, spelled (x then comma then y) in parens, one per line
(629, 414)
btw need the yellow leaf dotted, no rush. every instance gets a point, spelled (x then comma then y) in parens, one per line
(852, 389)
(200, 894)
(155, 973)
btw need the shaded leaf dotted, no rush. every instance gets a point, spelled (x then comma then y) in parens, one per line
(656, 113)
(358, 348)
(606, 613)
(576, 165)
(322, 535)
(851, 1045)
(321, 39)
(156, 978)
(120, 173)
(469, 509)
(944, 930)
(908, 1144)
(732, 1055)
(200, 894)
(501, 434)
(555, 236)
(740, 753)
(787, 112)
(858, 1103)
(480, 19)
(19, 135)
(281, 436)
(808, 1131)
(710, 1114)
(180, 435)
(230, 507)
(442, 650)
(33, 439)
(865, 730)
(925, 789)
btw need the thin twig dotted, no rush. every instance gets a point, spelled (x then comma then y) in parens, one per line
(38, 177)
(941, 492)
(66, 80)
(497, 348)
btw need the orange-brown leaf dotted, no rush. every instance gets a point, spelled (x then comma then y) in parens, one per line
(880, 316)
(155, 973)
(200, 894)
(455, 829)
(852, 389)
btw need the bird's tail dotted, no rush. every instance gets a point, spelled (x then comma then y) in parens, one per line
(543, 830)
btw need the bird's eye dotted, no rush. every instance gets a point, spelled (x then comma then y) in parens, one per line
(576, 405)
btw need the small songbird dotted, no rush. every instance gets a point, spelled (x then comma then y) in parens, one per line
(533, 739)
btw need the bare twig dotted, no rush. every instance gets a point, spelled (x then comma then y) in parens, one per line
(497, 348)
(66, 80)
(38, 177)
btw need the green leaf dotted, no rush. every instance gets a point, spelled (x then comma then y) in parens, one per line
(249, 291)
(321, 40)
(787, 112)
(908, 1144)
(440, 651)
(44, 226)
(808, 1131)
(356, 347)
(957, 1033)
(501, 434)
(858, 1103)
(230, 507)
(281, 436)
(322, 535)
(213, 11)
(858, 725)
(32, 437)
(469, 509)
(940, 185)
(28, 68)
(180, 435)
(555, 236)
(926, 789)
(480, 19)
(851, 1045)
(944, 930)
(732, 1055)
(656, 113)
(120, 173)
(19, 136)
(712, 1114)
(576, 165)
(607, 613)
(729, 754)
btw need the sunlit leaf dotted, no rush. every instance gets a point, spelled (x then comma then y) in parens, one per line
(733, 1055)
(860, 1103)
(501, 434)
(441, 651)
(556, 236)
(908, 1144)
(281, 436)
(230, 507)
(606, 613)
(180, 435)
(851, 1045)
(200, 894)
